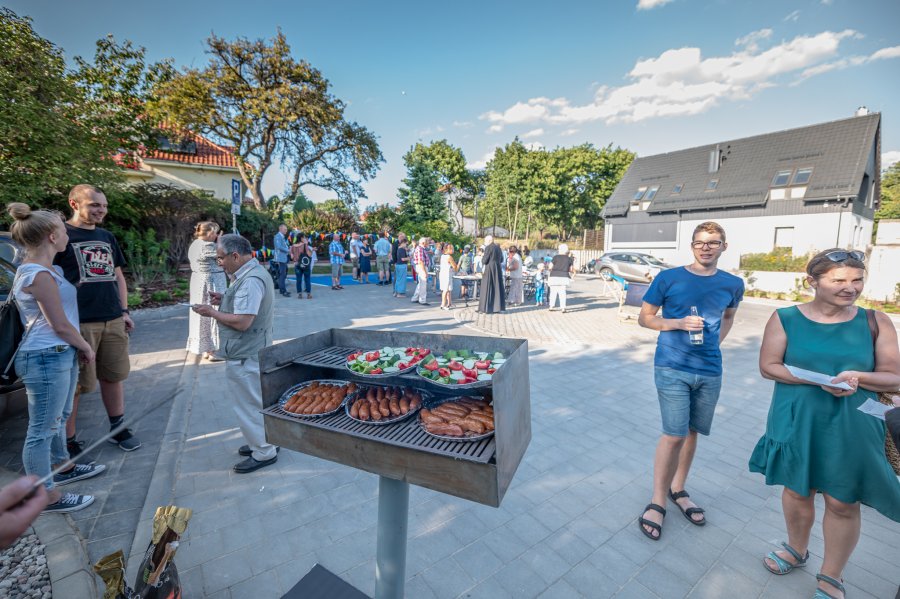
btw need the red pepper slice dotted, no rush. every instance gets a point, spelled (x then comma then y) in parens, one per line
(372, 356)
(455, 366)
(492, 370)
(443, 372)
(402, 365)
(482, 365)
(470, 373)
(376, 371)
(352, 357)
(432, 366)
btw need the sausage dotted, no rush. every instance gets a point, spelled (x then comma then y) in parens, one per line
(354, 409)
(370, 395)
(374, 410)
(475, 426)
(451, 410)
(447, 430)
(379, 394)
(363, 409)
(483, 418)
(404, 405)
(384, 407)
(395, 407)
(430, 417)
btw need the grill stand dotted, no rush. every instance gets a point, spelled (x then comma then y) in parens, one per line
(393, 523)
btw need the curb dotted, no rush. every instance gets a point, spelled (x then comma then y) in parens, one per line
(161, 491)
(71, 576)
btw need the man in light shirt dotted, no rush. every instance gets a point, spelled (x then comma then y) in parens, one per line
(383, 258)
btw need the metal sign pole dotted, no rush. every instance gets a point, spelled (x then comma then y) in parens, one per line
(393, 522)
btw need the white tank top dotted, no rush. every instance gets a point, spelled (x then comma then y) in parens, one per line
(40, 334)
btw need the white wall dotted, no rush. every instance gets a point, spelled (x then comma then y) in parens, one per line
(752, 235)
(216, 180)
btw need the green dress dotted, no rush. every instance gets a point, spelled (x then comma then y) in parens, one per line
(815, 440)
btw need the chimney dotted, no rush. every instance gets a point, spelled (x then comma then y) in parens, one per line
(862, 111)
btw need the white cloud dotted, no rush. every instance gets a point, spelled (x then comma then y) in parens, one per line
(850, 61)
(495, 129)
(650, 4)
(750, 42)
(682, 82)
(534, 145)
(429, 131)
(569, 132)
(889, 159)
(794, 16)
(892, 52)
(827, 2)
(462, 124)
(533, 133)
(481, 164)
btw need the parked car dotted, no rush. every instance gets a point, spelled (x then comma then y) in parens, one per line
(631, 266)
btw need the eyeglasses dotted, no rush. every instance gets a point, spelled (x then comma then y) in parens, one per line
(841, 255)
(706, 244)
(220, 259)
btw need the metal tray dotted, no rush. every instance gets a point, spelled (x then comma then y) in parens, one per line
(287, 395)
(448, 438)
(378, 376)
(349, 401)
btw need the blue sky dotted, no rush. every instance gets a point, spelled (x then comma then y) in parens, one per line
(648, 75)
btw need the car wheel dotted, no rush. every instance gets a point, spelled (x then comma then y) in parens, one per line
(605, 272)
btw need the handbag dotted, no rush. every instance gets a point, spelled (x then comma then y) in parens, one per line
(12, 332)
(890, 450)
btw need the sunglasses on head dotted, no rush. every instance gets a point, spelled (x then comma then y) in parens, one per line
(842, 255)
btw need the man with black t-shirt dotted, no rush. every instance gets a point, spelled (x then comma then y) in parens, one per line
(93, 261)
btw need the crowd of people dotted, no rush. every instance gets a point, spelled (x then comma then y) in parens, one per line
(71, 297)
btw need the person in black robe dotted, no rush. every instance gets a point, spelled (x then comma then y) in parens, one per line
(493, 292)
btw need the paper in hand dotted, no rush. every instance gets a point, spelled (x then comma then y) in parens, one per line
(816, 378)
(874, 408)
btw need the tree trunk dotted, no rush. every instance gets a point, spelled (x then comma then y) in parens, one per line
(527, 227)
(515, 227)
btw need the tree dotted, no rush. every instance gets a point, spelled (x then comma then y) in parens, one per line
(507, 177)
(250, 95)
(890, 194)
(339, 156)
(380, 218)
(60, 127)
(336, 206)
(420, 201)
(301, 202)
(448, 163)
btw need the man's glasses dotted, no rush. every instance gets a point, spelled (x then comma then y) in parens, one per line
(841, 255)
(706, 244)
(220, 259)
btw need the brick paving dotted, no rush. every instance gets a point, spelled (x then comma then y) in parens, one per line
(566, 527)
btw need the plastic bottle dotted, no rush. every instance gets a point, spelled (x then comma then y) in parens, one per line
(695, 336)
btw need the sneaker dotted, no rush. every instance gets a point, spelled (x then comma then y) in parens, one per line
(125, 440)
(69, 502)
(74, 447)
(79, 472)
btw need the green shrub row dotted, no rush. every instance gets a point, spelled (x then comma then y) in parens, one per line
(778, 260)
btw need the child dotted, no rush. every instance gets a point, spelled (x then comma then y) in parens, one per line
(539, 285)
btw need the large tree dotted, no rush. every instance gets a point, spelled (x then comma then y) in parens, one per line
(250, 96)
(448, 163)
(60, 127)
(420, 201)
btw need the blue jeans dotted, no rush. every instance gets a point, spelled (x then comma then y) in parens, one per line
(50, 376)
(302, 275)
(400, 279)
(687, 401)
(282, 274)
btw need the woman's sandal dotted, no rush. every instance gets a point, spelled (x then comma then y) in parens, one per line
(783, 565)
(642, 522)
(838, 584)
(689, 511)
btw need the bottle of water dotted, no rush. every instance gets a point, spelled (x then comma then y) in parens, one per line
(696, 336)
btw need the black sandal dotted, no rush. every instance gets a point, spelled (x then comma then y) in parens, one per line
(689, 511)
(642, 522)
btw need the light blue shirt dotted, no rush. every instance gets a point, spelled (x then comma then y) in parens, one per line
(382, 247)
(282, 249)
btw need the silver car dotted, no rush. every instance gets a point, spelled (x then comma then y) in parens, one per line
(631, 266)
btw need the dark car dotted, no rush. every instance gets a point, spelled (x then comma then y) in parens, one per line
(631, 266)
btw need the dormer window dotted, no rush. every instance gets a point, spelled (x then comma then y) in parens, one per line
(639, 193)
(781, 178)
(651, 193)
(801, 177)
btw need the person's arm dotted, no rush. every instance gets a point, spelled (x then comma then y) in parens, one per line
(726, 323)
(17, 510)
(886, 376)
(771, 354)
(649, 319)
(247, 302)
(46, 293)
(123, 299)
(240, 322)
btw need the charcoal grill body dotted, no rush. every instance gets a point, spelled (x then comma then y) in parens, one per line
(401, 453)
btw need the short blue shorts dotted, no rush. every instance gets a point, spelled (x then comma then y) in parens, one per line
(687, 401)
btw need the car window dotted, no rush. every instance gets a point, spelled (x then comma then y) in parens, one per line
(652, 260)
(632, 259)
(7, 274)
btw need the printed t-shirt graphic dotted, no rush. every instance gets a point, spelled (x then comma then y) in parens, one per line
(95, 261)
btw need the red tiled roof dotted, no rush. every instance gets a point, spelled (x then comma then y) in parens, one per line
(208, 154)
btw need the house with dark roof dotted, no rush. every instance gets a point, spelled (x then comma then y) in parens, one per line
(191, 161)
(807, 189)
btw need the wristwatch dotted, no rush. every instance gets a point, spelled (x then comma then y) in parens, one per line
(126, 311)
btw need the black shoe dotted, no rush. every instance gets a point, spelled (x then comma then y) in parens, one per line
(126, 440)
(250, 464)
(247, 452)
(74, 447)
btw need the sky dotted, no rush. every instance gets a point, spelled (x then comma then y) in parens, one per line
(651, 76)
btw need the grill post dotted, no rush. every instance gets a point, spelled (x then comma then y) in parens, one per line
(393, 522)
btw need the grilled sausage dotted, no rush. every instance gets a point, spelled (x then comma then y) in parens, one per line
(404, 405)
(395, 407)
(447, 430)
(354, 409)
(363, 409)
(384, 407)
(475, 426)
(429, 417)
(374, 410)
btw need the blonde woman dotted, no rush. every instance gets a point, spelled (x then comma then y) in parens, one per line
(448, 267)
(47, 359)
(206, 276)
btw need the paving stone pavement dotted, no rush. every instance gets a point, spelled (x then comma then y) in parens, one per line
(566, 527)
(157, 359)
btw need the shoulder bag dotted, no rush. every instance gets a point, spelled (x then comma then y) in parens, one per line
(890, 450)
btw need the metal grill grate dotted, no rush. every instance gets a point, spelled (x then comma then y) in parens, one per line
(327, 357)
(403, 434)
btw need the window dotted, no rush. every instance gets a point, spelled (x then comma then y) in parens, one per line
(801, 177)
(712, 185)
(678, 188)
(639, 193)
(651, 193)
(784, 237)
(781, 178)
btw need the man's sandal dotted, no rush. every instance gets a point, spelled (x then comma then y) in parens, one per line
(642, 522)
(838, 584)
(689, 511)
(783, 566)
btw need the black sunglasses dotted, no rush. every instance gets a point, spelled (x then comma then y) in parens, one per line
(841, 255)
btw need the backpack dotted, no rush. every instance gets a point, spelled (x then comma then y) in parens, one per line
(11, 333)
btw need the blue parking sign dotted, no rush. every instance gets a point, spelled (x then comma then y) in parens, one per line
(235, 196)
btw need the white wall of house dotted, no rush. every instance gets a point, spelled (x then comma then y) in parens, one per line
(216, 180)
(803, 232)
(883, 271)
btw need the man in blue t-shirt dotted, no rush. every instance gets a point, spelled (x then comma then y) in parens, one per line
(688, 365)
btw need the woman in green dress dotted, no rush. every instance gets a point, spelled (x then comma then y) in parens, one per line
(816, 440)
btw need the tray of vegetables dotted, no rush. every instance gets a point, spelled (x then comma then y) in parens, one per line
(387, 361)
(461, 368)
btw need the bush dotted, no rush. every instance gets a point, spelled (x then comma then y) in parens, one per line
(161, 296)
(146, 257)
(135, 299)
(778, 260)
